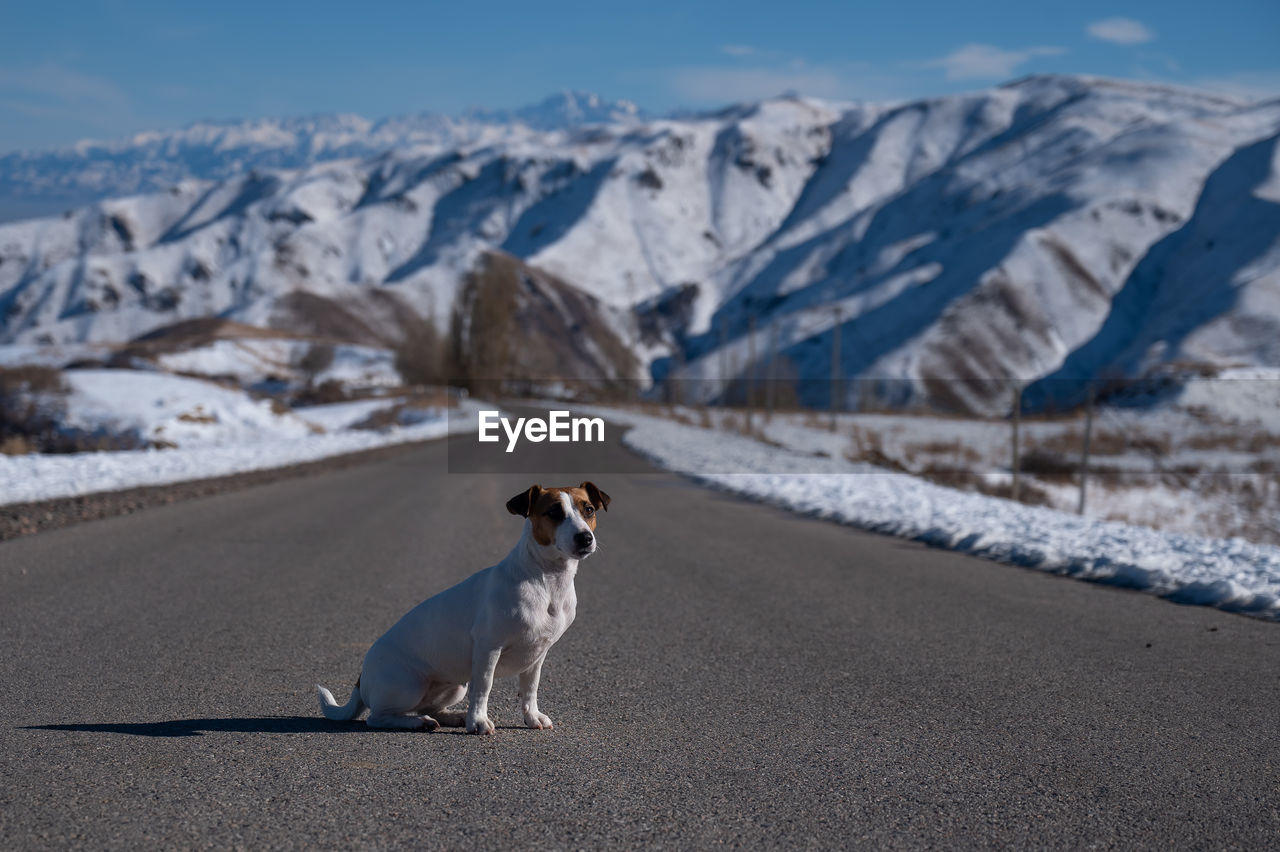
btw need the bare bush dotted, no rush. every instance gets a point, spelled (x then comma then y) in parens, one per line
(328, 391)
(32, 403)
(422, 356)
(867, 446)
(317, 358)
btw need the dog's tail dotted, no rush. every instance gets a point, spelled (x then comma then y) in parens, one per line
(340, 712)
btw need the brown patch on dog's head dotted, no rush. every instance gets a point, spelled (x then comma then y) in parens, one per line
(523, 502)
(545, 510)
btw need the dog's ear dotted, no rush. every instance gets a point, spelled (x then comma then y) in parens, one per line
(597, 497)
(523, 502)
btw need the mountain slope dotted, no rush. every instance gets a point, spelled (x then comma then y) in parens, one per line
(1055, 226)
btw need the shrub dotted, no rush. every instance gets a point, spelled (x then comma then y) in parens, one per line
(328, 391)
(314, 361)
(32, 403)
(421, 355)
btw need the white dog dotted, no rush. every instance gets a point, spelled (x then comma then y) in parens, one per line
(498, 622)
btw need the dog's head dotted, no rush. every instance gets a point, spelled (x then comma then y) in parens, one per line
(563, 518)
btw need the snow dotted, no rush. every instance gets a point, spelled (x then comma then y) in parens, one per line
(187, 412)
(218, 431)
(1007, 233)
(1231, 574)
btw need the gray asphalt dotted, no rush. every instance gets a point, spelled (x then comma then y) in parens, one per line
(736, 675)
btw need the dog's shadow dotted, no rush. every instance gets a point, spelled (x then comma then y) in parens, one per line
(248, 725)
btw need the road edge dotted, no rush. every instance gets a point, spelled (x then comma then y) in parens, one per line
(22, 519)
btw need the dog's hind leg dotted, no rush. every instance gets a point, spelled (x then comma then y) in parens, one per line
(395, 696)
(440, 696)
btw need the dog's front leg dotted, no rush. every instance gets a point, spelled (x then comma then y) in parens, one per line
(529, 697)
(483, 662)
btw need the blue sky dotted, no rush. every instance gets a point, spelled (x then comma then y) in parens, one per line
(98, 69)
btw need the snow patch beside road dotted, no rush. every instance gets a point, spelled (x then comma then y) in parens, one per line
(35, 476)
(1231, 574)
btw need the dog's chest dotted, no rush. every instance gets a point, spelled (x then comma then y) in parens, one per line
(545, 614)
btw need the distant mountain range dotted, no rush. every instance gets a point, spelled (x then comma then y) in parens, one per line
(50, 181)
(1054, 227)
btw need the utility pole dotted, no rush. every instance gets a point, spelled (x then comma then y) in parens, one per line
(771, 375)
(752, 368)
(1017, 418)
(1084, 450)
(835, 368)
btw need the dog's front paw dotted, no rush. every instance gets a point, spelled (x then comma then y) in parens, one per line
(541, 721)
(479, 725)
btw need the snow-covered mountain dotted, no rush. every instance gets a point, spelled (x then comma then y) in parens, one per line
(1054, 227)
(217, 150)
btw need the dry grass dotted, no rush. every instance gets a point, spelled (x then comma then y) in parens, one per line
(198, 415)
(31, 380)
(1103, 442)
(32, 402)
(192, 334)
(746, 426)
(960, 455)
(1238, 440)
(866, 445)
(1244, 505)
(17, 445)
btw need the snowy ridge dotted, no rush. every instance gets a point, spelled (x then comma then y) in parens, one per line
(1230, 574)
(1054, 228)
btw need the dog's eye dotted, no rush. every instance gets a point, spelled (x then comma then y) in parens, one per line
(556, 513)
(588, 510)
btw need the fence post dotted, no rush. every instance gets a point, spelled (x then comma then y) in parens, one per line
(1084, 450)
(724, 364)
(675, 397)
(1017, 423)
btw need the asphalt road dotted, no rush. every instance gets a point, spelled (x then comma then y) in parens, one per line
(736, 675)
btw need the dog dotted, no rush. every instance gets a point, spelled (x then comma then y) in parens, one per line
(498, 622)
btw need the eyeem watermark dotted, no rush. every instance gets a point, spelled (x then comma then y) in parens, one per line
(558, 428)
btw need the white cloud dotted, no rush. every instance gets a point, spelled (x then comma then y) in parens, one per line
(1121, 31)
(987, 62)
(737, 49)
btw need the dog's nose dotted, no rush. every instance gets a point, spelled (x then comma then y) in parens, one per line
(583, 540)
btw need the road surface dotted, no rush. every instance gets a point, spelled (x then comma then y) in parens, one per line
(736, 675)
